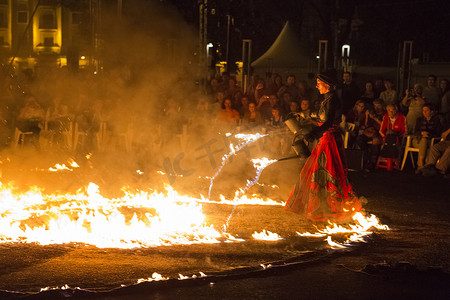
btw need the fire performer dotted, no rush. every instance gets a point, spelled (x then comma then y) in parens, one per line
(322, 191)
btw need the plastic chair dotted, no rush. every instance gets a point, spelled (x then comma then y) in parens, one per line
(80, 136)
(409, 149)
(19, 136)
(388, 163)
(350, 127)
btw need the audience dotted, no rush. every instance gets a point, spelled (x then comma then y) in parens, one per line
(389, 95)
(412, 103)
(233, 110)
(252, 119)
(438, 159)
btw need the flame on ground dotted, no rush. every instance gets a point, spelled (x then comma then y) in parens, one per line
(359, 230)
(135, 220)
(266, 235)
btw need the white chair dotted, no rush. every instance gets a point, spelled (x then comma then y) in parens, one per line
(80, 136)
(19, 136)
(349, 128)
(409, 149)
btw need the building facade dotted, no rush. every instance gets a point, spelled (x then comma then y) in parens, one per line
(48, 33)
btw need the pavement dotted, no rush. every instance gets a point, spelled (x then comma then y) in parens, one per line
(411, 261)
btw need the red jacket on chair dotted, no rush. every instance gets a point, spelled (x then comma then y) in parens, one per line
(399, 125)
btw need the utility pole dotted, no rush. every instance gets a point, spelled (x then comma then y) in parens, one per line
(119, 9)
(203, 30)
(95, 13)
(227, 50)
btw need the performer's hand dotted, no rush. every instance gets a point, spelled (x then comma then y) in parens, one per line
(309, 137)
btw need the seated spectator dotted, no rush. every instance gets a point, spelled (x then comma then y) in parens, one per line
(293, 110)
(266, 104)
(276, 121)
(58, 116)
(357, 116)
(427, 127)
(389, 96)
(413, 103)
(304, 92)
(217, 104)
(228, 117)
(277, 140)
(252, 120)
(392, 130)
(438, 159)
(30, 118)
(243, 106)
(370, 140)
(260, 90)
(305, 114)
(285, 101)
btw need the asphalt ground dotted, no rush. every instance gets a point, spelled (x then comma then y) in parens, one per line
(409, 261)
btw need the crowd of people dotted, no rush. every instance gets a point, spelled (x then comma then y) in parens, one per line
(381, 117)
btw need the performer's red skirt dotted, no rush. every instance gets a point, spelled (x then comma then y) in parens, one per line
(322, 192)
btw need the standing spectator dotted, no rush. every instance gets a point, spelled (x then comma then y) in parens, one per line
(349, 91)
(431, 93)
(413, 103)
(290, 87)
(389, 96)
(444, 87)
(369, 93)
(260, 90)
(379, 87)
(427, 127)
(445, 102)
(276, 82)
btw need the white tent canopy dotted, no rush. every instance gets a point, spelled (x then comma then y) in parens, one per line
(285, 53)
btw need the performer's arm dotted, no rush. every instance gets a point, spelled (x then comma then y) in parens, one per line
(332, 107)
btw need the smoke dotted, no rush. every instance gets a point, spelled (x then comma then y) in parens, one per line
(147, 92)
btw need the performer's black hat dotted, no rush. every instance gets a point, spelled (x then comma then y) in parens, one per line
(327, 78)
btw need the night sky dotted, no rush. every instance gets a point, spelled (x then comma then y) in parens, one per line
(383, 24)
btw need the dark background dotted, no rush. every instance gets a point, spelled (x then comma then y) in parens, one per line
(374, 28)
